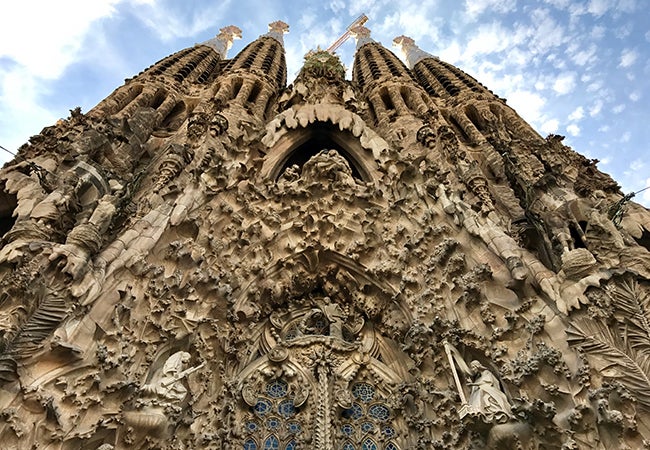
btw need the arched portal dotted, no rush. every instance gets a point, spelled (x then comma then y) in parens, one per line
(298, 145)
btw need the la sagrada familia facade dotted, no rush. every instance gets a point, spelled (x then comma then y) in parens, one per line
(211, 259)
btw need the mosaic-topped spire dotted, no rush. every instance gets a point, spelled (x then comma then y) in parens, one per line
(277, 30)
(412, 52)
(222, 42)
(362, 35)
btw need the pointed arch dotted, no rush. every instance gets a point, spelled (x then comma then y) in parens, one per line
(290, 134)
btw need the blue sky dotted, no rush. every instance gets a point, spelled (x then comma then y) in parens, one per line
(579, 68)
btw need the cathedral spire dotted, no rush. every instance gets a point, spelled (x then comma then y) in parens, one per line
(412, 52)
(222, 42)
(362, 35)
(277, 30)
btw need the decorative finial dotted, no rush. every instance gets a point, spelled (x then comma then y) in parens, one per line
(222, 42)
(412, 52)
(362, 35)
(277, 30)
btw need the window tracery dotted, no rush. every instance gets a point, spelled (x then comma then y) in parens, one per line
(271, 419)
(367, 423)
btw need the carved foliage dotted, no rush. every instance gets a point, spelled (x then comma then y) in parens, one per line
(619, 343)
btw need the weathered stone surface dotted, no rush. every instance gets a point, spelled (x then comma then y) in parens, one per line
(212, 259)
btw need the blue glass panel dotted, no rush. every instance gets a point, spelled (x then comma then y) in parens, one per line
(291, 445)
(364, 392)
(287, 408)
(391, 446)
(262, 407)
(252, 426)
(277, 388)
(347, 429)
(367, 427)
(348, 446)
(389, 432)
(271, 443)
(273, 423)
(369, 444)
(294, 427)
(379, 412)
(250, 445)
(353, 413)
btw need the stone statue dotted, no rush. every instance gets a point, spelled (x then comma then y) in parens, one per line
(169, 386)
(334, 316)
(486, 399)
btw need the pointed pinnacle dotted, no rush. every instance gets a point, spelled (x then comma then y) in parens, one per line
(412, 52)
(222, 42)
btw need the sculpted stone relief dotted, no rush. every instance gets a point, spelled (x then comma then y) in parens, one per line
(169, 291)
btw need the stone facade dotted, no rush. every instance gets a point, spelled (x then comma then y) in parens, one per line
(213, 259)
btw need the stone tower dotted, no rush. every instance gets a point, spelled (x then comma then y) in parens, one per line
(212, 259)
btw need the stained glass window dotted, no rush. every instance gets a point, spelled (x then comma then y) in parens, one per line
(294, 427)
(356, 412)
(286, 408)
(267, 426)
(277, 389)
(271, 443)
(263, 406)
(273, 423)
(379, 412)
(363, 392)
(367, 420)
(252, 426)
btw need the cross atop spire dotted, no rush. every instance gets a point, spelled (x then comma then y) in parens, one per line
(222, 42)
(412, 52)
(277, 30)
(362, 35)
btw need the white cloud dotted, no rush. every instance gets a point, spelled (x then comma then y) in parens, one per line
(635, 96)
(565, 83)
(627, 6)
(583, 56)
(598, 32)
(546, 33)
(57, 33)
(528, 104)
(474, 8)
(337, 5)
(618, 108)
(598, 7)
(596, 108)
(172, 21)
(577, 114)
(39, 40)
(628, 57)
(646, 193)
(573, 130)
(550, 126)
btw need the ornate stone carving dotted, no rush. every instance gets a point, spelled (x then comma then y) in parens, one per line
(393, 262)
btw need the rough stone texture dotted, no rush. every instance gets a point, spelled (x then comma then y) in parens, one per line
(210, 259)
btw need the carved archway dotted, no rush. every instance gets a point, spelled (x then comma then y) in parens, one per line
(322, 371)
